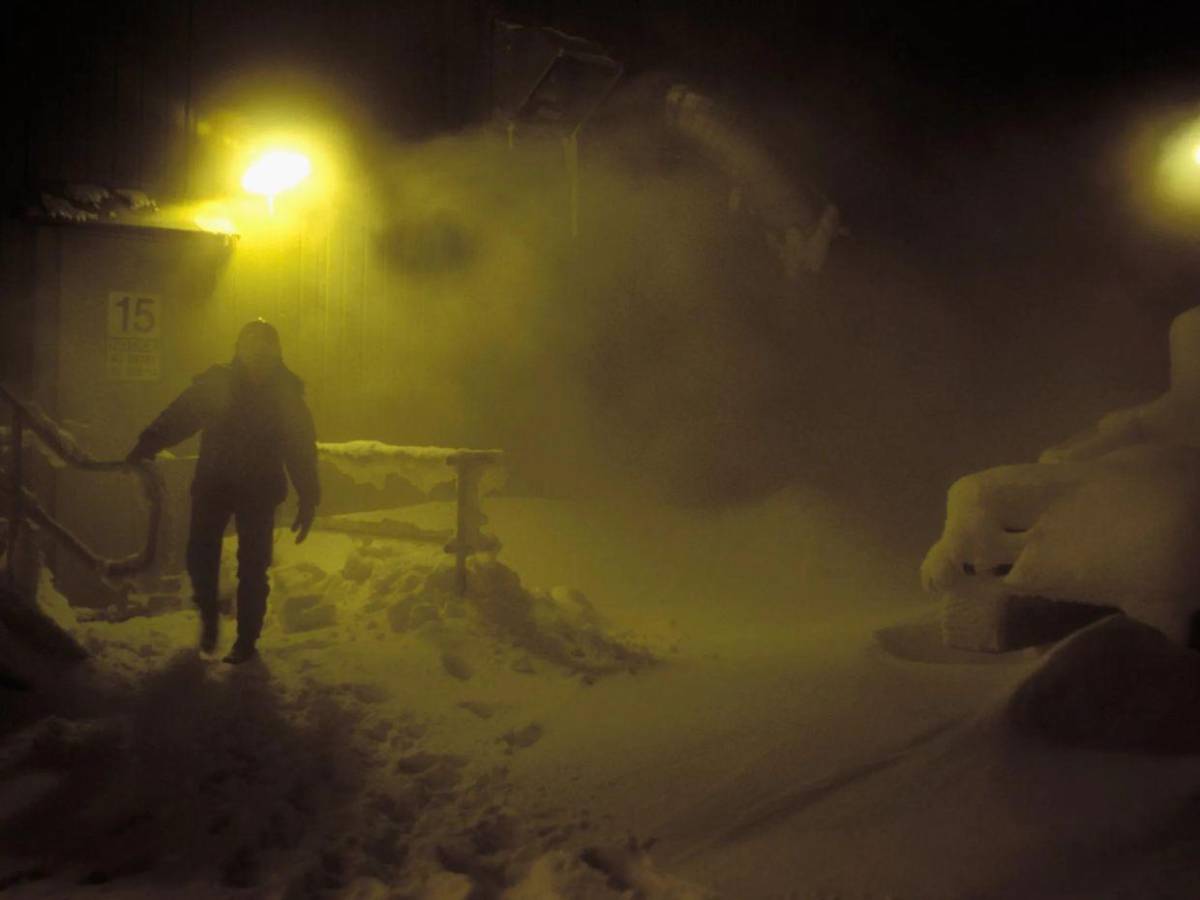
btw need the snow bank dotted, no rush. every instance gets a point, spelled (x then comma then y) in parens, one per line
(376, 585)
(559, 626)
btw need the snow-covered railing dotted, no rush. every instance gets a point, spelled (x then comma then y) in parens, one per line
(372, 461)
(23, 504)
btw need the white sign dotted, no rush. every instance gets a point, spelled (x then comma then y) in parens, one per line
(134, 330)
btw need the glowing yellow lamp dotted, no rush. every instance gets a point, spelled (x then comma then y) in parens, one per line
(1177, 176)
(274, 172)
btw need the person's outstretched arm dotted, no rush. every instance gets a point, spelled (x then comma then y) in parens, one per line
(300, 457)
(178, 422)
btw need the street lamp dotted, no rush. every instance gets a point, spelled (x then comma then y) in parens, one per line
(274, 172)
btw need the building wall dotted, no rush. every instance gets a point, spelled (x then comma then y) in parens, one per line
(73, 274)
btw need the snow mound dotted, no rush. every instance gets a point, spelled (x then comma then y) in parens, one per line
(560, 626)
(1116, 685)
(371, 589)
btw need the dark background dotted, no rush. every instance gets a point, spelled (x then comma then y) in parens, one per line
(895, 80)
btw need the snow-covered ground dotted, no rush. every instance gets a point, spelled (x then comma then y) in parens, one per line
(629, 702)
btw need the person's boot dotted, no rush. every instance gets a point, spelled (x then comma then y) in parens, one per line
(210, 626)
(243, 651)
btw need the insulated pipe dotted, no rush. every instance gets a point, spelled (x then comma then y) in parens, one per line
(796, 229)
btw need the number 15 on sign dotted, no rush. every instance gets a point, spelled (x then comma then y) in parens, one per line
(133, 315)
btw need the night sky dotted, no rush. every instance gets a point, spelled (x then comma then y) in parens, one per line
(921, 113)
(886, 88)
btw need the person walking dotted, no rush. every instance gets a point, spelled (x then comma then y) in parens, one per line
(254, 426)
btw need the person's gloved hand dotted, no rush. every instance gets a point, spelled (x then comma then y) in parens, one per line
(304, 520)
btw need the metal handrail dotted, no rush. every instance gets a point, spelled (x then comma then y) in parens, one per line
(25, 505)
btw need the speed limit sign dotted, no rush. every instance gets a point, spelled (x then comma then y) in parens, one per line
(134, 330)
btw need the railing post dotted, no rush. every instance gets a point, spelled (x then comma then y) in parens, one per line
(469, 520)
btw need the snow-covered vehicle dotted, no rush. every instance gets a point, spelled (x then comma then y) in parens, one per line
(1107, 520)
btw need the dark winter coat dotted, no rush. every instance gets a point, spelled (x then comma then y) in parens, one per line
(249, 434)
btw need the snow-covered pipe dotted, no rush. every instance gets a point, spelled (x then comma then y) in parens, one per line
(796, 229)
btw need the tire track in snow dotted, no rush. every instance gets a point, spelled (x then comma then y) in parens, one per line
(773, 810)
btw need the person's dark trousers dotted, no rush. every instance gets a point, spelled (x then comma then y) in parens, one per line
(255, 521)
